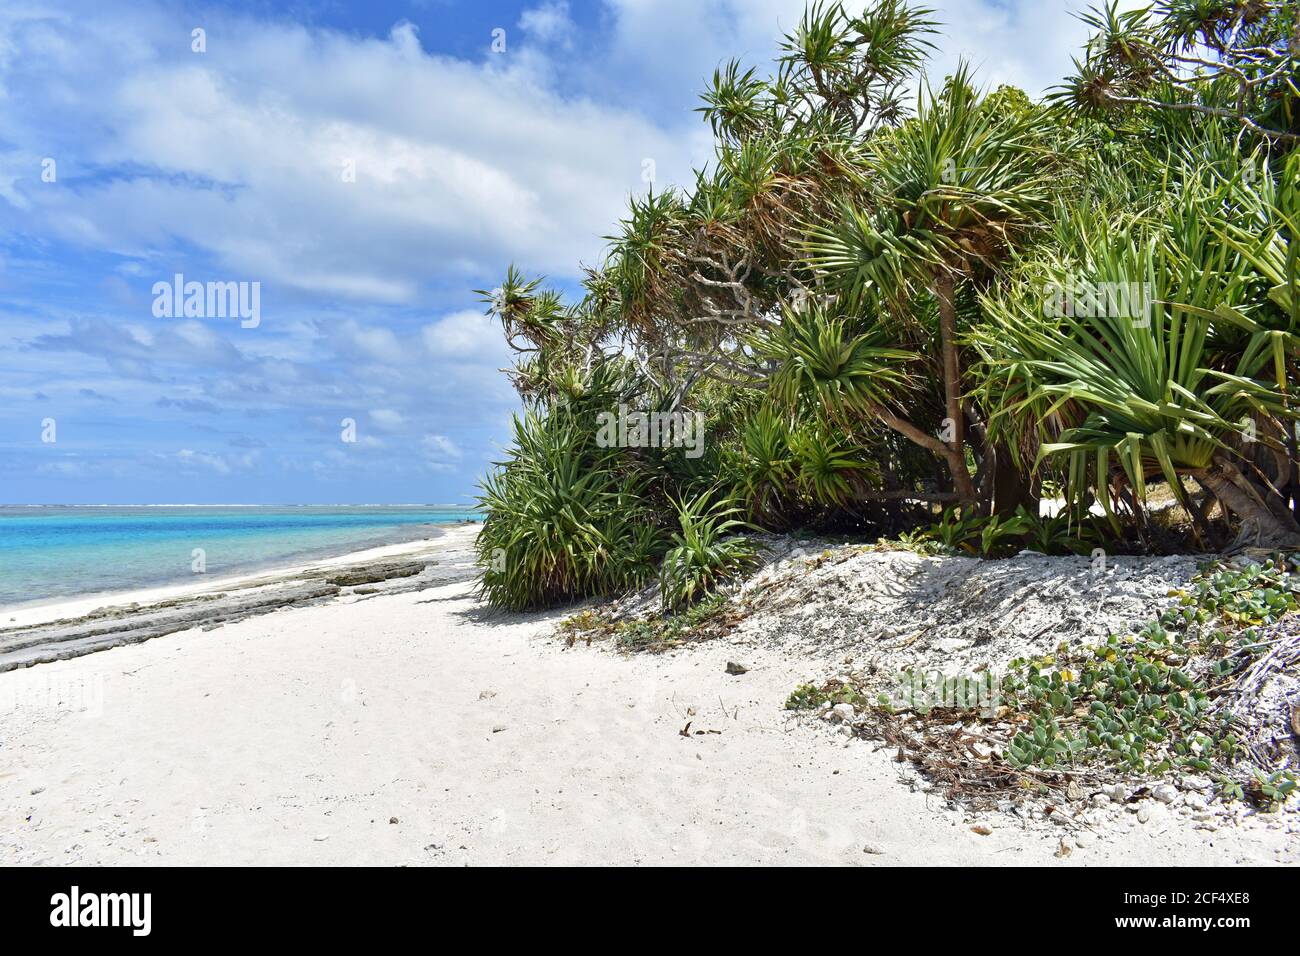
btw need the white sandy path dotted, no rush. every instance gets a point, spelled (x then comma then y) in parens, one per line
(294, 737)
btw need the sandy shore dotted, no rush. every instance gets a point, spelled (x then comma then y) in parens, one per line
(416, 728)
(58, 630)
(39, 612)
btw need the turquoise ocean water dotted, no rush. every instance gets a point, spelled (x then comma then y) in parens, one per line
(59, 551)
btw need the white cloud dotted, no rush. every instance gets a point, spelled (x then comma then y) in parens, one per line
(440, 452)
(442, 447)
(246, 146)
(216, 463)
(550, 22)
(460, 167)
(386, 419)
(466, 334)
(374, 342)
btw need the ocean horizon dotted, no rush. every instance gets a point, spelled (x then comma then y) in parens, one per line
(59, 551)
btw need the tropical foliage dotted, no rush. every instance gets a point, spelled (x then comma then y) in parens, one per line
(873, 304)
(706, 550)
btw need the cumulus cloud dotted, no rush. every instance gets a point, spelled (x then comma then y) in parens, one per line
(440, 452)
(466, 334)
(369, 182)
(374, 342)
(293, 155)
(550, 22)
(136, 351)
(387, 419)
(190, 457)
(442, 447)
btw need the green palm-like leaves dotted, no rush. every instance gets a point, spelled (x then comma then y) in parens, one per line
(562, 523)
(1136, 387)
(706, 550)
(761, 470)
(567, 518)
(854, 65)
(524, 312)
(643, 256)
(955, 183)
(1233, 60)
(1268, 218)
(735, 102)
(820, 360)
(1111, 297)
(870, 255)
(833, 471)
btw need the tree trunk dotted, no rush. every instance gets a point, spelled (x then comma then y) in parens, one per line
(1012, 487)
(956, 456)
(1292, 490)
(952, 457)
(1260, 525)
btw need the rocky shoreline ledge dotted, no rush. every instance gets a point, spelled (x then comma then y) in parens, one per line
(443, 560)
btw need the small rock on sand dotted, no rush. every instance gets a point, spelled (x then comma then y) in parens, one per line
(734, 668)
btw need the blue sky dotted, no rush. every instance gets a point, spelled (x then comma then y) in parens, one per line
(228, 165)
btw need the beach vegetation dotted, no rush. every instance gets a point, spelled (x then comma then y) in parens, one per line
(899, 302)
(1173, 697)
(653, 632)
(706, 551)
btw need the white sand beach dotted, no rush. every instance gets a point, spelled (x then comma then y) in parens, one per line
(417, 728)
(40, 612)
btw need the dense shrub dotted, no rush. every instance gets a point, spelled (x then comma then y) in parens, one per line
(876, 310)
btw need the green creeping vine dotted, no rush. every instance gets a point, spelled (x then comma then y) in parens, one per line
(1144, 703)
(1140, 705)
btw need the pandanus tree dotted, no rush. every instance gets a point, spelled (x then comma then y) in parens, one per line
(789, 149)
(824, 192)
(956, 189)
(1189, 377)
(1192, 197)
(1234, 61)
(543, 332)
(710, 282)
(948, 304)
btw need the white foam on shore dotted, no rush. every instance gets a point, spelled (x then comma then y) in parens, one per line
(55, 609)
